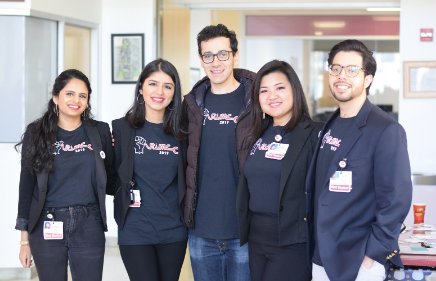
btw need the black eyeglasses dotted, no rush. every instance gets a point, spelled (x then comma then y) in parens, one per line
(350, 70)
(221, 56)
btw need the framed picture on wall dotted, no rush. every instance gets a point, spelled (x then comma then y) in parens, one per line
(127, 57)
(419, 79)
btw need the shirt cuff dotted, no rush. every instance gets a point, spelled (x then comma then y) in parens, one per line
(21, 224)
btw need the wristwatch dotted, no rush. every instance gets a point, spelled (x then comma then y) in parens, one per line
(22, 243)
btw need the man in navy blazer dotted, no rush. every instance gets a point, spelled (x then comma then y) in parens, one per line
(358, 186)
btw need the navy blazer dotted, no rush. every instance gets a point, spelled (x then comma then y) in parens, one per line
(33, 188)
(292, 200)
(367, 220)
(124, 136)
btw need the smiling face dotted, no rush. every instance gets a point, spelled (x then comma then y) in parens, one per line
(72, 99)
(344, 88)
(158, 92)
(276, 98)
(218, 71)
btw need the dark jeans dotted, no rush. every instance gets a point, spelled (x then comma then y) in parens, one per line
(268, 260)
(218, 259)
(82, 246)
(160, 262)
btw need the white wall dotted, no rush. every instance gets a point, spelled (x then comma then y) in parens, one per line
(9, 175)
(418, 115)
(199, 20)
(128, 16)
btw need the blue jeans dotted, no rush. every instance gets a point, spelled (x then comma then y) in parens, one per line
(218, 260)
(82, 246)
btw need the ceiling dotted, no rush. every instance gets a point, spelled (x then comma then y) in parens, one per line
(287, 4)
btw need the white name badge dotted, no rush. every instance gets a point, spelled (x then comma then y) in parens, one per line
(341, 181)
(53, 230)
(136, 199)
(277, 151)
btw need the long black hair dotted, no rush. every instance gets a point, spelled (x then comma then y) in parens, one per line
(135, 116)
(300, 109)
(40, 135)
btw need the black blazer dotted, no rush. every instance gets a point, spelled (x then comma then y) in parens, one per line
(292, 210)
(367, 220)
(124, 136)
(33, 188)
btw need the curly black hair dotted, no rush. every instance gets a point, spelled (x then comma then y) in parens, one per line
(40, 135)
(214, 31)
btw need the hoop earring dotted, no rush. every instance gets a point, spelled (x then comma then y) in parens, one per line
(56, 110)
(137, 99)
(263, 114)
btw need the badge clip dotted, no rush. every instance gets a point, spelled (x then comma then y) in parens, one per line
(343, 163)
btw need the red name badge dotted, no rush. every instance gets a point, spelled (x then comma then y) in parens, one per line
(341, 181)
(53, 230)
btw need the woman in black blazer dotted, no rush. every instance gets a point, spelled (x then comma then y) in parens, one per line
(150, 158)
(271, 197)
(67, 162)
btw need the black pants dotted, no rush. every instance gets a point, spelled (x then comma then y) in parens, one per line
(268, 261)
(161, 262)
(82, 246)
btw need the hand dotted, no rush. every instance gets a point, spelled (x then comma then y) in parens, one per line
(113, 140)
(367, 262)
(25, 256)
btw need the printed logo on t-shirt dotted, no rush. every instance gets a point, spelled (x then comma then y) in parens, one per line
(223, 118)
(334, 142)
(163, 149)
(59, 145)
(260, 146)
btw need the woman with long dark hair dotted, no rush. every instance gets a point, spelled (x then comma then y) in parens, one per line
(150, 157)
(271, 194)
(67, 162)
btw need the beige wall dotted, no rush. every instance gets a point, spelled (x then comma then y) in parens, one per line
(78, 49)
(231, 19)
(175, 40)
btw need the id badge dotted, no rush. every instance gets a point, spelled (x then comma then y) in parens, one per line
(277, 151)
(53, 230)
(341, 181)
(136, 199)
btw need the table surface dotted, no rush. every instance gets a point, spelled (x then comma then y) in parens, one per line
(416, 260)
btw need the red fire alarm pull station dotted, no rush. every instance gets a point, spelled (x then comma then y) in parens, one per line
(427, 34)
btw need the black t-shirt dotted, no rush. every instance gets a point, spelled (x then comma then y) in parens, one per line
(331, 141)
(157, 220)
(263, 174)
(215, 216)
(73, 181)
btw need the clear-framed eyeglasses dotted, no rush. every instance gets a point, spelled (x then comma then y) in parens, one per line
(221, 56)
(350, 70)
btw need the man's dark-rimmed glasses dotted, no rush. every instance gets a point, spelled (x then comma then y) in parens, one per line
(221, 56)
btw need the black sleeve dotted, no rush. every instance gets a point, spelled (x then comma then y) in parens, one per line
(316, 133)
(183, 146)
(106, 141)
(117, 154)
(27, 184)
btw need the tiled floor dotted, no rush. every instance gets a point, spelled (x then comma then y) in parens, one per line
(114, 268)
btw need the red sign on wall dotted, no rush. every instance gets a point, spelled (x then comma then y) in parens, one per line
(427, 34)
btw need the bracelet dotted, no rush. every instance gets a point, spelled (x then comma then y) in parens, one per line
(22, 243)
